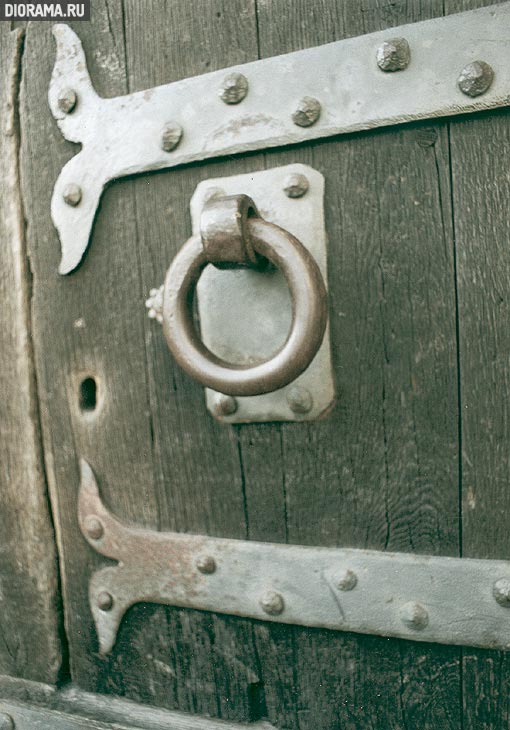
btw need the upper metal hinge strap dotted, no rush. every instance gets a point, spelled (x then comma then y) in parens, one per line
(434, 68)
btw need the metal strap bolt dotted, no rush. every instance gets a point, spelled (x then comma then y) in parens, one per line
(299, 399)
(475, 78)
(206, 564)
(94, 528)
(225, 405)
(295, 185)
(234, 88)
(307, 112)
(67, 100)
(346, 581)
(272, 603)
(72, 194)
(105, 601)
(393, 55)
(414, 616)
(171, 136)
(501, 592)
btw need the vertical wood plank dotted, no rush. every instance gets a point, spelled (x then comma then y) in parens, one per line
(480, 146)
(88, 326)
(30, 620)
(212, 658)
(382, 470)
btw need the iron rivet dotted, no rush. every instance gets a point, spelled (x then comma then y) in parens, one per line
(72, 194)
(94, 528)
(346, 581)
(206, 564)
(501, 592)
(105, 601)
(307, 112)
(295, 185)
(171, 136)
(299, 399)
(272, 603)
(225, 405)
(414, 615)
(475, 78)
(393, 55)
(6, 722)
(67, 100)
(234, 88)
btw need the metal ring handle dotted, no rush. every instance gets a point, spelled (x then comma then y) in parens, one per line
(309, 315)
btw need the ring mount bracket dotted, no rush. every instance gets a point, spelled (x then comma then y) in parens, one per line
(245, 314)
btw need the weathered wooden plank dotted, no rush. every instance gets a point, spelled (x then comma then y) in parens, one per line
(85, 706)
(88, 330)
(211, 659)
(382, 470)
(481, 189)
(30, 620)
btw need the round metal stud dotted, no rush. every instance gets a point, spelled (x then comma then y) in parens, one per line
(299, 399)
(272, 603)
(393, 55)
(172, 134)
(6, 722)
(105, 601)
(501, 592)
(346, 581)
(475, 78)
(206, 564)
(72, 194)
(94, 528)
(296, 185)
(234, 88)
(67, 100)
(225, 405)
(307, 112)
(414, 615)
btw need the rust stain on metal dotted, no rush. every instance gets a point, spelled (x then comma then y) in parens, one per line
(422, 598)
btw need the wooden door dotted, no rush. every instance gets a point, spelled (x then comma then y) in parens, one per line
(413, 457)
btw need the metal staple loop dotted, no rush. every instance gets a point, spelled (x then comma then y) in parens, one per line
(225, 233)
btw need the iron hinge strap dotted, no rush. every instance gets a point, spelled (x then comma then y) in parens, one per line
(435, 68)
(423, 598)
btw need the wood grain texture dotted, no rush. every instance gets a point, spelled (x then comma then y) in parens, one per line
(118, 713)
(86, 326)
(481, 189)
(30, 620)
(382, 470)
(209, 662)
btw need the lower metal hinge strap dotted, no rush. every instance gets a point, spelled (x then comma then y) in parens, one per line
(424, 598)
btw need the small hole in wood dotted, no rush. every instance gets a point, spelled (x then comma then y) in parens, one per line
(88, 394)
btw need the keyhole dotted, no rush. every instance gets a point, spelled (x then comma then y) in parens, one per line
(88, 394)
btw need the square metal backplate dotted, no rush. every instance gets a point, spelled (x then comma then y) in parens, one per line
(245, 315)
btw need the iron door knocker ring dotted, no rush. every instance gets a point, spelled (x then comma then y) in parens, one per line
(233, 234)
